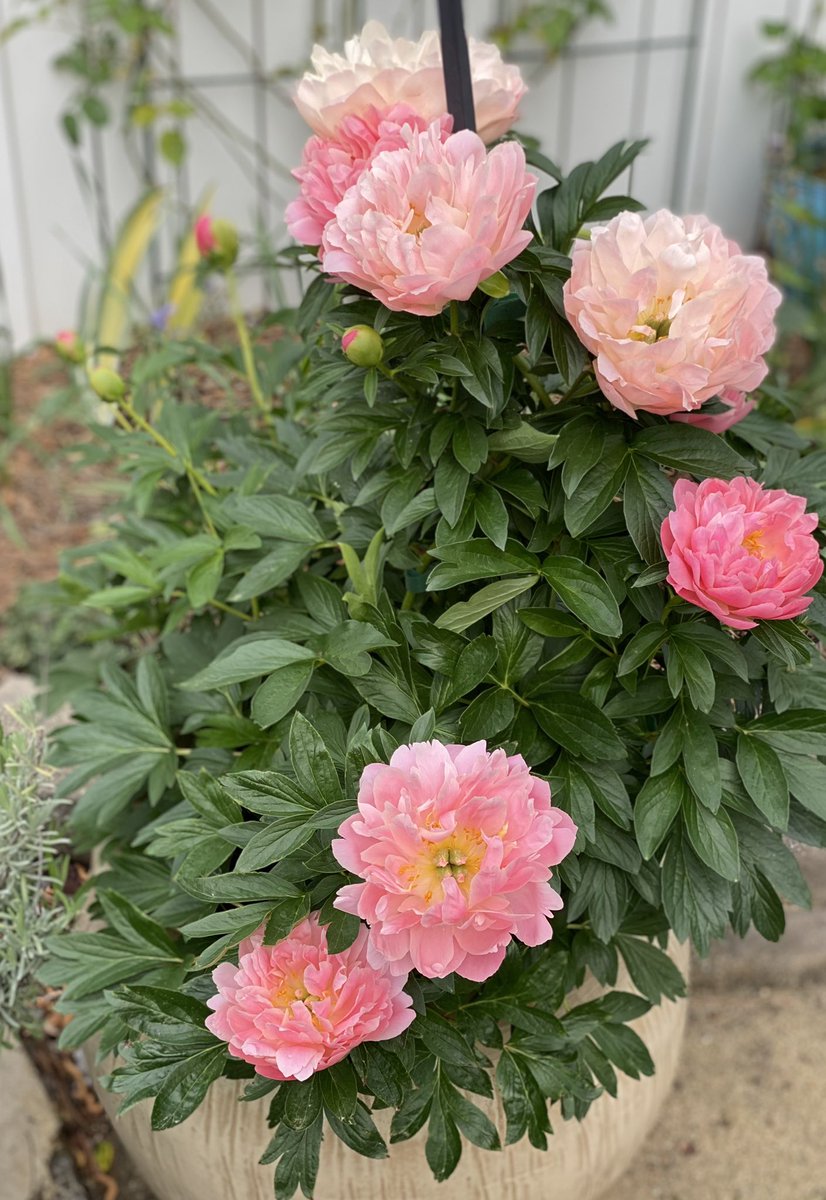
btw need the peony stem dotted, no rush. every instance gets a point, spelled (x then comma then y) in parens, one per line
(141, 422)
(454, 318)
(237, 313)
(192, 475)
(535, 382)
(197, 481)
(670, 603)
(585, 371)
(219, 604)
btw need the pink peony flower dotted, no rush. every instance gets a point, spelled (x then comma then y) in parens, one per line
(737, 407)
(332, 165)
(741, 551)
(455, 845)
(294, 1008)
(425, 224)
(672, 309)
(378, 71)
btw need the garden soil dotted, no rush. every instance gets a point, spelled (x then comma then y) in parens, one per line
(47, 499)
(50, 498)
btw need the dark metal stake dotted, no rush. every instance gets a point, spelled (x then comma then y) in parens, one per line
(456, 65)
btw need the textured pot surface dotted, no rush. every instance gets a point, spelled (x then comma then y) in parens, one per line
(214, 1154)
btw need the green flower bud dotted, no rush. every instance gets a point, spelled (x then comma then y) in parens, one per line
(362, 345)
(495, 285)
(110, 386)
(217, 241)
(69, 346)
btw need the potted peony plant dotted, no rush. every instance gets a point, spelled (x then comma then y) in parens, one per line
(456, 694)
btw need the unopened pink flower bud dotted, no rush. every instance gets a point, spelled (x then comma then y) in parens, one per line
(217, 241)
(69, 346)
(362, 345)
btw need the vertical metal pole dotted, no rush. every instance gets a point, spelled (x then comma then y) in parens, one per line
(456, 65)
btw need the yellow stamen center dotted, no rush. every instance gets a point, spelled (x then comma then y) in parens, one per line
(753, 542)
(418, 222)
(459, 856)
(290, 990)
(654, 323)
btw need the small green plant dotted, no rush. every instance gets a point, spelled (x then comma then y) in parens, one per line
(551, 24)
(33, 871)
(796, 75)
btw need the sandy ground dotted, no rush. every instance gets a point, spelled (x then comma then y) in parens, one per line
(747, 1119)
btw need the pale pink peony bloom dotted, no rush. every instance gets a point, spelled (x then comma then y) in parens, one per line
(378, 71)
(672, 309)
(455, 845)
(741, 551)
(737, 407)
(332, 165)
(294, 1008)
(426, 224)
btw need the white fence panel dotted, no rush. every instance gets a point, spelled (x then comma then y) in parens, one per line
(670, 70)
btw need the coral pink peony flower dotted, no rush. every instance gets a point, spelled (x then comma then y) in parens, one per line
(294, 1008)
(331, 165)
(425, 224)
(672, 309)
(455, 845)
(741, 551)
(737, 407)
(378, 71)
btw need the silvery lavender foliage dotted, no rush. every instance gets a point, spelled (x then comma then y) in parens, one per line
(33, 867)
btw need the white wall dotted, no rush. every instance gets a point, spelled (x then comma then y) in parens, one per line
(636, 76)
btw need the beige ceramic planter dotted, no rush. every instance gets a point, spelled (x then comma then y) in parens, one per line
(214, 1154)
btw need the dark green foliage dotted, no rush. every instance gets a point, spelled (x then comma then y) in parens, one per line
(464, 547)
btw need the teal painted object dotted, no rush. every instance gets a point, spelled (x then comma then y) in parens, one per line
(796, 225)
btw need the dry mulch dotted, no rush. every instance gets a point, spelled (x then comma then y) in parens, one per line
(89, 1162)
(47, 498)
(50, 496)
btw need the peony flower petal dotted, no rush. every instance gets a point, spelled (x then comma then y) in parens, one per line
(424, 224)
(294, 1008)
(455, 845)
(674, 313)
(379, 71)
(741, 551)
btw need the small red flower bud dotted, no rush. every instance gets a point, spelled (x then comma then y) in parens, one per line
(69, 346)
(217, 241)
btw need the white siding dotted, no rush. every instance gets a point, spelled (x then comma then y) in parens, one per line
(638, 75)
